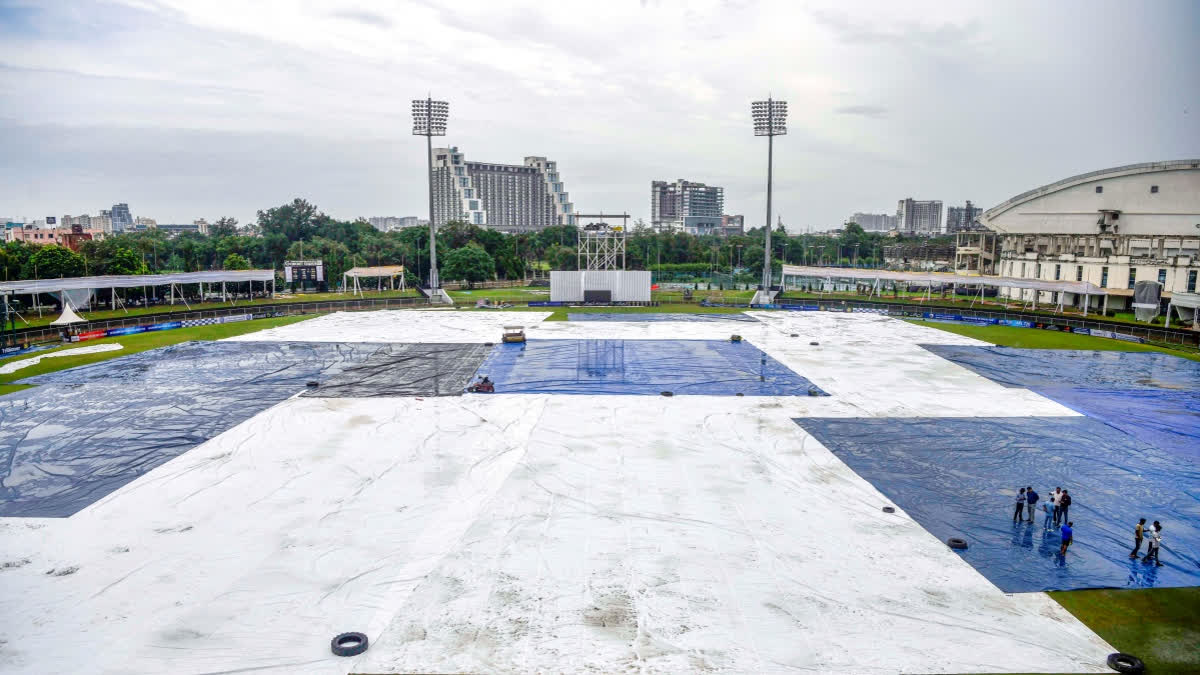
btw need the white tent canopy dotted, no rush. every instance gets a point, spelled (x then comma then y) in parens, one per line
(1186, 306)
(134, 281)
(389, 272)
(68, 316)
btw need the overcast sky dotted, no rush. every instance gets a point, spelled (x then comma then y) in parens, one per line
(204, 108)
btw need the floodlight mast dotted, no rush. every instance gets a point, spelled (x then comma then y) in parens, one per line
(770, 120)
(429, 120)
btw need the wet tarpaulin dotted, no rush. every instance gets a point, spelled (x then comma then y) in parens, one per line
(959, 477)
(649, 367)
(89, 430)
(407, 370)
(634, 317)
(1151, 396)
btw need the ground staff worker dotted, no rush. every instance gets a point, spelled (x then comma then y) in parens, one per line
(1031, 499)
(1068, 535)
(1020, 505)
(1138, 530)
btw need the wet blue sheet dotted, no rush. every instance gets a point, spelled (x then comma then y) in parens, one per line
(958, 477)
(87, 431)
(648, 367)
(692, 318)
(1151, 396)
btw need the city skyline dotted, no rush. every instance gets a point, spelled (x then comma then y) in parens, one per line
(872, 114)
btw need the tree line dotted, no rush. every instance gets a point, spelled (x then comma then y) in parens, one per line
(299, 230)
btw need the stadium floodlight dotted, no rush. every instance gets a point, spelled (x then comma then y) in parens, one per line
(429, 120)
(770, 120)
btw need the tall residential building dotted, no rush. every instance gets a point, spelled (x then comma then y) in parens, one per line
(962, 218)
(874, 222)
(919, 217)
(690, 207)
(505, 197)
(121, 220)
(145, 223)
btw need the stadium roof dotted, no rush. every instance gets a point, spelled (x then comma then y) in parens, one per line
(132, 281)
(926, 278)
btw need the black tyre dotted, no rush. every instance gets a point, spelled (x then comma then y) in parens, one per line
(1124, 663)
(312, 383)
(668, 393)
(349, 644)
(814, 343)
(795, 335)
(957, 543)
(889, 509)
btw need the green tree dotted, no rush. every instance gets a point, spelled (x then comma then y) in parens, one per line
(224, 227)
(124, 261)
(233, 261)
(469, 264)
(296, 221)
(50, 262)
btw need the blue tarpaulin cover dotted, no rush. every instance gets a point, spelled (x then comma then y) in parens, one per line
(958, 477)
(693, 318)
(1151, 396)
(699, 367)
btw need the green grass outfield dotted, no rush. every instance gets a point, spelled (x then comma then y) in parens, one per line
(133, 344)
(1032, 338)
(1160, 626)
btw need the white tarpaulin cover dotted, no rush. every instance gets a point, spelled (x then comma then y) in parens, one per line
(1080, 287)
(539, 533)
(133, 280)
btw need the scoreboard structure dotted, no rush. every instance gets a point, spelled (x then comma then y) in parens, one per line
(303, 271)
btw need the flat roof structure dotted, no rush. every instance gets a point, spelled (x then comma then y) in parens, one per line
(132, 281)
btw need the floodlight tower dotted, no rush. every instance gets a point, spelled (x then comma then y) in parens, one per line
(429, 120)
(770, 120)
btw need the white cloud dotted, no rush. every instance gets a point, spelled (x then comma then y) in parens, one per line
(934, 100)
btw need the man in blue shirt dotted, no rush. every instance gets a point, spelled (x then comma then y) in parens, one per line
(1031, 499)
(1068, 535)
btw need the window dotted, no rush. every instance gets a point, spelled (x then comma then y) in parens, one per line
(1162, 277)
(1103, 277)
(1099, 189)
(1191, 287)
(458, 171)
(1038, 273)
(474, 204)
(1132, 276)
(1079, 273)
(477, 218)
(441, 157)
(1022, 264)
(464, 182)
(1153, 189)
(1057, 272)
(469, 193)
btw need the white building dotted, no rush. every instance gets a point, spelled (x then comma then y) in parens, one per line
(1112, 227)
(873, 222)
(686, 206)
(507, 197)
(914, 216)
(395, 223)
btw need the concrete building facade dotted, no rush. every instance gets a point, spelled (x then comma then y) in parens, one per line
(962, 218)
(1112, 228)
(686, 206)
(915, 216)
(506, 197)
(873, 222)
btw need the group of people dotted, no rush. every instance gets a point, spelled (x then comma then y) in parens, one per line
(1154, 534)
(1057, 507)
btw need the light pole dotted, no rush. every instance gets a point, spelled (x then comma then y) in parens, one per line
(770, 120)
(429, 120)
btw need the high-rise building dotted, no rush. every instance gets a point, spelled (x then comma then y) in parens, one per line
(962, 218)
(505, 197)
(919, 217)
(690, 207)
(121, 220)
(874, 222)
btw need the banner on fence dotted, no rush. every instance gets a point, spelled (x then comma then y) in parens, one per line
(127, 330)
(166, 326)
(91, 335)
(1116, 336)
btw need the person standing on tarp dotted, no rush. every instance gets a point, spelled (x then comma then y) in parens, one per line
(1068, 535)
(1020, 505)
(1137, 538)
(1054, 498)
(1031, 499)
(1064, 504)
(1154, 544)
(1048, 507)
